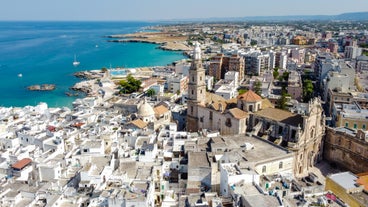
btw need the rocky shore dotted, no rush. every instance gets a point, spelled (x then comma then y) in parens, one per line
(43, 87)
(167, 40)
(84, 86)
(89, 74)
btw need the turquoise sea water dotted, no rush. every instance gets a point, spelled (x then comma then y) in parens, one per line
(43, 52)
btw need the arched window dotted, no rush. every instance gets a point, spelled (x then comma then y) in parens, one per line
(264, 169)
(280, 165)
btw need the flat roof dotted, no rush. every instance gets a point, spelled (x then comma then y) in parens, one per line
(263, 150)
(198, 159)
(345, 179)
(254, 198)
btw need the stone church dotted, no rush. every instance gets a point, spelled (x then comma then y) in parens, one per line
(210, 111)
(301, 132)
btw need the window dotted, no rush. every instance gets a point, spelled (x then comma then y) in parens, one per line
(228, 122)
(346, 124)
(363, 126)
(355, 125)
(201, 119)
(280, 165)
(191, 109)
(192, 92)
(192, 78)
(210, 115)
(263, 169)
(200, 78)
(251, 108)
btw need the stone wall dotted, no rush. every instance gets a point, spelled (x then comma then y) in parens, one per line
(346, 150)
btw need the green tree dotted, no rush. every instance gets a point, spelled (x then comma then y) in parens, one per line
(275, 73)
(103, 69)
(253, 42)
(151, 92)
(282, 102)
(258, 87)
(308, 90)
(241, 91)
(285, 76)
(130, 85)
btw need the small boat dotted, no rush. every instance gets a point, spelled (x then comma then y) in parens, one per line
(20, 75)
(75, 63)
(96, 46)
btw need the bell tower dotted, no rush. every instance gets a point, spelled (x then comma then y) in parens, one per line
(196, 89)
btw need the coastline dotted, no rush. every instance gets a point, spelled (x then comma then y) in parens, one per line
(57, 43)
(173, 41)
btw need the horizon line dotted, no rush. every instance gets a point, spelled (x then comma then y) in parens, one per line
(175, 19)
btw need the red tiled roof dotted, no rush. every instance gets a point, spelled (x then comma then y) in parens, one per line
(78, 124)
(51, 128)
(363, 180)
(249, 96)
(237, 113)
(139, 123)
(160, 109)
(21, 163)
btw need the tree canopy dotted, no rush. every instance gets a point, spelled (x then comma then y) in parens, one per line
(241, 91)
(308, 90)
(282, 102)
(151, 92)
(258, 87)
(130, 85)
(275, 73)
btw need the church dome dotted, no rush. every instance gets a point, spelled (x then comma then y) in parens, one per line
(145, 110)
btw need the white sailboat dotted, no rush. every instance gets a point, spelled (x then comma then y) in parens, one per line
(75, 63)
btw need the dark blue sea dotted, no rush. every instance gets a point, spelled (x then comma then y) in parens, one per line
(43, 52)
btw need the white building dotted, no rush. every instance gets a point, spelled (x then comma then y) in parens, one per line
(351, 52)
(230, 174)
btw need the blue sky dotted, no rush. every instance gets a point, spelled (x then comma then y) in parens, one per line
(169, 9)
